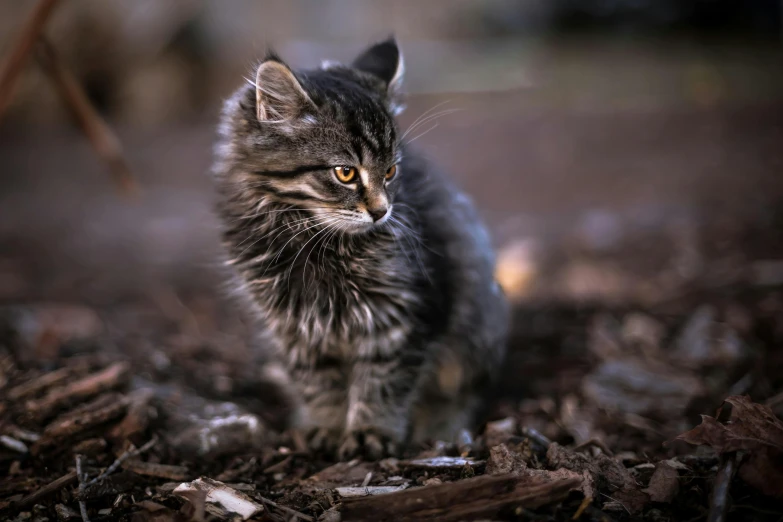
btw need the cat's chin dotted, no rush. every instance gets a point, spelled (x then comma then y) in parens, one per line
(359, 227)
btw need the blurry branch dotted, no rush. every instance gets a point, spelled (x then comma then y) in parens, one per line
(24, 44)
(102, 138)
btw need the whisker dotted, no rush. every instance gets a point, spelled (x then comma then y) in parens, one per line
(422, 134)
(294, 237)
(315, 246)
(424, 114)
(428, 119)
(293, 263)
(288, 224)
(339, 228)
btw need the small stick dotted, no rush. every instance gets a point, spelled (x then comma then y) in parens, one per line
(280, 466)
(24, 44)
(122, 458)
(720, 490)
(81, 478)
(288, 510)
(582, 507)
(537, 437)
(45, 491)
(102, 138)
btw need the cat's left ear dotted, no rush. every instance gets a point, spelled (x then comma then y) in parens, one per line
(384, 60)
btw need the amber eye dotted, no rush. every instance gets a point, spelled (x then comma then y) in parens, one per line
(391, 172)
(345, 174)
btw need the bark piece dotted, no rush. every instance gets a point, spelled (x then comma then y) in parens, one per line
(221, 499)
(470, 499)
(110, 378)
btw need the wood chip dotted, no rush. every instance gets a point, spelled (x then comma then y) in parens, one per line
(366, 491)
(101, 411)
(113, 377)
(441, 463)
(218, 494)
(470, 499)
(151, 469)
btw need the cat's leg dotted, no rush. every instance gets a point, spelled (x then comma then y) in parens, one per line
(322, 388)
(382, 392)
(448, 401)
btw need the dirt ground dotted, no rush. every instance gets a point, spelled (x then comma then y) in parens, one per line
(642, 249)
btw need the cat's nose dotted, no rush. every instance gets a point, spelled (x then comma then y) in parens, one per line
(377, 213)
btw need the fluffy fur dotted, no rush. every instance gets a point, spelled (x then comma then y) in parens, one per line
(377, 294)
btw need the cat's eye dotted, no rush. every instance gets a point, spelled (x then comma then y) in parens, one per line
(345, 174)
(391, 172)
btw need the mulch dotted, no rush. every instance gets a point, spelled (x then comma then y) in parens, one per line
(662, 403)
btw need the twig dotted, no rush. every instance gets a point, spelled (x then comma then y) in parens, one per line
(122, 458)
(536, 436)
(81, 478)
(102, 138)
(288, 510)
(49, 489)
(720, 490)
(280, 466)
(151, 469)
(582, 507)
(24, 44)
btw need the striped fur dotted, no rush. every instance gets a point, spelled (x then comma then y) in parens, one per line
(389, 329)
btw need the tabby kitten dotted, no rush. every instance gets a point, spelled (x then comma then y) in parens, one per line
(370, 272)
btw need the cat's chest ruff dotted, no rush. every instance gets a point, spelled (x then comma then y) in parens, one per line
(364, 310)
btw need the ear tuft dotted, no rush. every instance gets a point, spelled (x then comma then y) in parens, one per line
(279, 95)
(383, 60)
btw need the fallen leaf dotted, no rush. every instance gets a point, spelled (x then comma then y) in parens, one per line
(596, 473)
(753, 429)
(664, 483)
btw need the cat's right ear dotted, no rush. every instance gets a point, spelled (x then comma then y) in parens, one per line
(279, 95)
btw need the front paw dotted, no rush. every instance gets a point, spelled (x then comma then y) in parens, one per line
(368, 443)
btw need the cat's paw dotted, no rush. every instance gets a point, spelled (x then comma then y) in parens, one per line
(323, 440)
(367, 443)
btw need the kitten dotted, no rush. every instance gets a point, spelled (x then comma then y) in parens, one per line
(368, 269)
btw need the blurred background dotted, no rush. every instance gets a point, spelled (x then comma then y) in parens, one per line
(626, 154)
(593, 118)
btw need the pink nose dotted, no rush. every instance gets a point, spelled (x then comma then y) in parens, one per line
(377, 213)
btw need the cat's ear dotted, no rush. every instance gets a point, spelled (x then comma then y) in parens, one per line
(279, 95)
(383, 60)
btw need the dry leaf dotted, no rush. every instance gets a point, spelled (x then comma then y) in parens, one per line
(754, 429)
(664, 484)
